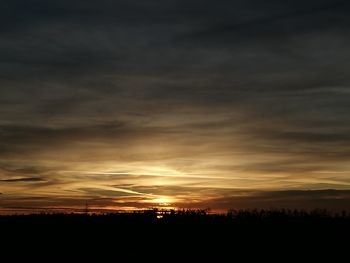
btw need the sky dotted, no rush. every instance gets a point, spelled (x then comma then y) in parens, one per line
(129, 104)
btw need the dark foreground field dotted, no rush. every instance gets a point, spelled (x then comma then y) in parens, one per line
(176, 232)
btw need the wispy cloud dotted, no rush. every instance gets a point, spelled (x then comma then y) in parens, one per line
(27, 179)
(167, 96)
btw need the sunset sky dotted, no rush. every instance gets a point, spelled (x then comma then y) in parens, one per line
(130, 104)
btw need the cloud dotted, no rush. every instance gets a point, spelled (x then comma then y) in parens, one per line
(275, 19)
(28, 179)
(181, 96)
(335, 200)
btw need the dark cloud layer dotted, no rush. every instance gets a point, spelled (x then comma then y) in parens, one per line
(336, 200)
(256, 92)
(27, 179)
(308, 200)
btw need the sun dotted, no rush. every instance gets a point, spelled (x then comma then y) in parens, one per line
(161, 201)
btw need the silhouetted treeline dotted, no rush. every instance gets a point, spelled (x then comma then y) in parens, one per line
(154, 213)
(185, 216)
(197, 232)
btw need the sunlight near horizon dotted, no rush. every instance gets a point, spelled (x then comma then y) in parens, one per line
(162, 202)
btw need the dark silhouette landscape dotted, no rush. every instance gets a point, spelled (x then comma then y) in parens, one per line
(196, 220)
(177, 234)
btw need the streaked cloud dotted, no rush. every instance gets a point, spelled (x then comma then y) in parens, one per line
(128, 102)
(26, 179)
